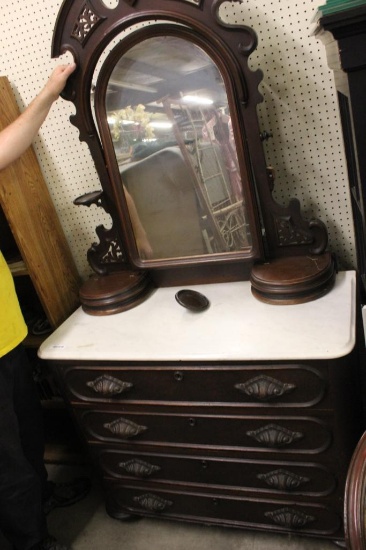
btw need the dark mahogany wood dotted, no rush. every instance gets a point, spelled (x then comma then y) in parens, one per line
(355, 499)
(86, 29)
(293, 280)
(253, 445)
(115, 292)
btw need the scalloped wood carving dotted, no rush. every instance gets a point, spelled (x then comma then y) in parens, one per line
(273, 435)
(153, 503)
(124, 428)
(107, 385)
(139, 468)
(290, 518)
(283, 480)
(264, 388)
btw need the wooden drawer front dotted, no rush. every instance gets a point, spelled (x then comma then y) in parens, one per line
(262, 385)
(260, 476)
(266, 433)
(275, 515)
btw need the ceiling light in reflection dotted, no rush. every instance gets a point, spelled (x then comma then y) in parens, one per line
(197, 100)
(160, 124)
(113, 120)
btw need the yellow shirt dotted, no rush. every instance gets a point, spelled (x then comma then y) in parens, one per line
(13, 329)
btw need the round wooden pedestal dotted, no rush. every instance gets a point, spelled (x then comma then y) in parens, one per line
(293, 280)
(116, 292)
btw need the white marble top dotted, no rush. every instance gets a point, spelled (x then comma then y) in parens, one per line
(236, 326)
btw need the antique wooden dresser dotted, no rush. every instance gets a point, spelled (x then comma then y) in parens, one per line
(244, 415)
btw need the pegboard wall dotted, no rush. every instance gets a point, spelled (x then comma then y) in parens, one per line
(300, 109)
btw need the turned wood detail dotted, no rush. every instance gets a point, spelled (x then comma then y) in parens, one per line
(124, 428)
(107, 385)
(139, 468)
(273, 435)
(265, 388)
(283, 480)
(289, 518)
(153, 503)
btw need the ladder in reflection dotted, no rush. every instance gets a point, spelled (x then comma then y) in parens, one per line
(206, 146)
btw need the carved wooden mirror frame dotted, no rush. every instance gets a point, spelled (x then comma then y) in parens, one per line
(282, 241)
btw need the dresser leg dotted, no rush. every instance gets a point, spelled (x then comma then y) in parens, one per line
(121, 516)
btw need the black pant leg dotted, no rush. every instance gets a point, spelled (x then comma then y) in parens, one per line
(22, 520)
(28, 410)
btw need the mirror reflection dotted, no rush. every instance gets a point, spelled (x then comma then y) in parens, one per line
(170, 124)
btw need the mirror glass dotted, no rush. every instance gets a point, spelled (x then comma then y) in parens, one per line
(170, 124)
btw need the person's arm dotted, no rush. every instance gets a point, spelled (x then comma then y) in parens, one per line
(19, 135)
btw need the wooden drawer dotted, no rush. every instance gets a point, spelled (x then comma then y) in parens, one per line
(204, 507)
(282, 385)
(229, 475)
(264, 434)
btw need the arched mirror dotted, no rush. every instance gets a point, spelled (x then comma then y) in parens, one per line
(170, 125)
(173, 130)
(164, 109)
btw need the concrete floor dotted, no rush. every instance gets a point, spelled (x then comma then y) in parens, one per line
(86, 526)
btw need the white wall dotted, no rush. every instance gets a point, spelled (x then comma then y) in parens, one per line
(300, 109)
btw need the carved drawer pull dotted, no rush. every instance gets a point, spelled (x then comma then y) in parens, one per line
(152, 503)
(139, 468)
(283, 480)
(124, 428)
(287, 517)
(265, 388)
(275, 436)
(108, 385)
